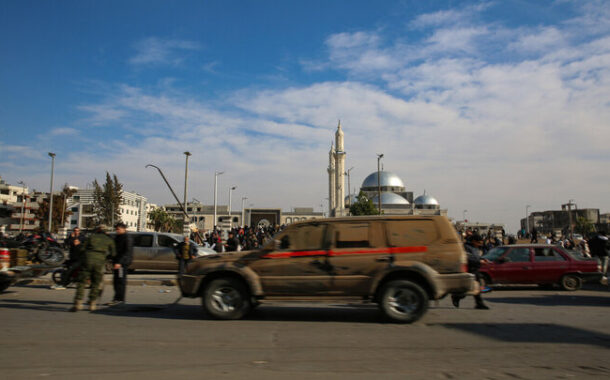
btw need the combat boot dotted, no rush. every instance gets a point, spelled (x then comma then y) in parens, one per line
(93, 306)
(78, 306)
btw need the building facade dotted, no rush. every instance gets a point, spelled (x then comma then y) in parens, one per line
(132, 212)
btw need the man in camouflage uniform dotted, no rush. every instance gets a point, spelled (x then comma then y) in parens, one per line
(96, 251)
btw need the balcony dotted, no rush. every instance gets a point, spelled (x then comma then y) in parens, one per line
(26, 227)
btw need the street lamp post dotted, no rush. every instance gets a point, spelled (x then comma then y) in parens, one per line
(379, 157)
(349, 190)
(230, 198)
(216, 174)
(243, 215)
(527, 219)
(52, 155)
(22, 205)
(186, 176)
(464, 215)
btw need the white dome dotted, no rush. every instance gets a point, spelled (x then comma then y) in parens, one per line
(388, 199)
(425, 200)
(387, 179)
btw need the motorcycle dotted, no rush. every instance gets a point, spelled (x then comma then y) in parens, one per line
(43, 248)
(66, 274)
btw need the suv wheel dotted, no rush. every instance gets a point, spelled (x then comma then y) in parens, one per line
(571, 282)
(226, 298)
(403, 301)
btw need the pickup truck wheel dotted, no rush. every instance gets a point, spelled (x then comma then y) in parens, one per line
(226, 298)
(571, 282)
(403, 301)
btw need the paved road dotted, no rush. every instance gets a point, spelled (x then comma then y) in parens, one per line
(528, 334)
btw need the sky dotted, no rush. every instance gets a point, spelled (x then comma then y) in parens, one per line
(489, 106)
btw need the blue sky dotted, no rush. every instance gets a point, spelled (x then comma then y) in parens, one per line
(487, 105)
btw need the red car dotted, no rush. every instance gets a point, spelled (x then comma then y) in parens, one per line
(539, 264)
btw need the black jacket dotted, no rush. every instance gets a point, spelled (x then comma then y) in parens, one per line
(599, 246)
(124, 250)
(180, 247)
(474, 258)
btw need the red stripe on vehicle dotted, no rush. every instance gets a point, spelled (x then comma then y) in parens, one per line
(392, 250)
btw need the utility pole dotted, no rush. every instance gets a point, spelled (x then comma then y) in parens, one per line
(243, 215)
(349, 190)
(379, 157)
(230, 197)
(22, 205)
(186, 176)
(52, 155)
(216, 174)
(569, 206)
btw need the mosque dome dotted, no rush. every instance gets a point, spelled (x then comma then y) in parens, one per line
(389, 199)
(387, 180)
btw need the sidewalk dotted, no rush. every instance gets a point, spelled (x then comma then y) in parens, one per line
(136, 279)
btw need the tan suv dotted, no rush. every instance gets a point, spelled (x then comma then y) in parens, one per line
(400, 263)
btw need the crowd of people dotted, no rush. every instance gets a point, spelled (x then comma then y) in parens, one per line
(238, 238)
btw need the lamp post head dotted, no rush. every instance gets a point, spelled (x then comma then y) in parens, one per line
(187, 153)
(379, 156)
(219, 173)
(234, 187)
(51, 154)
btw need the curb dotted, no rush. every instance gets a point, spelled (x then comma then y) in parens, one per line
(44, 281)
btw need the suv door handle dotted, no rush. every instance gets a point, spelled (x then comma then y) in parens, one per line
(388, 259)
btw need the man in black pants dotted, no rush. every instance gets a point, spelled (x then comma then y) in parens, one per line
(121, 262)
(473, 250)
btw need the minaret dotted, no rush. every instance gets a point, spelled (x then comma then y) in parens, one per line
(339, 172)
(331, 181)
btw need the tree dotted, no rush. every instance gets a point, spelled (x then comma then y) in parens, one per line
(584, 226)
(363, 206)
(107, 200)
(163, 222)
(60, 211)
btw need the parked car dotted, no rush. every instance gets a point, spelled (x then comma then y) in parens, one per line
(539, 264)
(397, 262)
(155, 250)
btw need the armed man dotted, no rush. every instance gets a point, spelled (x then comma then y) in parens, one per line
(96, 250)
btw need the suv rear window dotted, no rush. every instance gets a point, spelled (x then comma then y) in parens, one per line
(405, 233)
(166, 241)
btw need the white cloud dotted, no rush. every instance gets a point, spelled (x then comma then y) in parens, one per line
(64, 132)
(154, 50)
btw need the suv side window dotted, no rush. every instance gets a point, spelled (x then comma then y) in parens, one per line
(352, 235)
(518, 255)
(166, 241)
(143, 240)
(547, 254)
(304, 238)
(405, 233)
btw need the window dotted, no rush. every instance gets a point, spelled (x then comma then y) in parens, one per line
(143, 240)
(352, 235)
(166, 241)
(405, 233)
(304, 238)
(518, 255)
(547, 254)
(74, 209)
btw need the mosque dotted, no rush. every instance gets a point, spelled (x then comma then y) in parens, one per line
(395, 199)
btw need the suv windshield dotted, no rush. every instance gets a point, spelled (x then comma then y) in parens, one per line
(495, 253)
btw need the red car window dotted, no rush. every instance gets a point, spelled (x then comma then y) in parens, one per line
(547, 254)
(518, 255)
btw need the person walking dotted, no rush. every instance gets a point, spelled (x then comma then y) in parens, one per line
(185, 252)
(121, 263)
(598, 246)
(96, 250)
(473, 250)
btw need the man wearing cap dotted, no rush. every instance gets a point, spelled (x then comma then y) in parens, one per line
(96, 250)
(473, 250)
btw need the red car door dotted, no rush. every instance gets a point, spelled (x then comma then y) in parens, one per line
(514, 267)
(549, 265)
